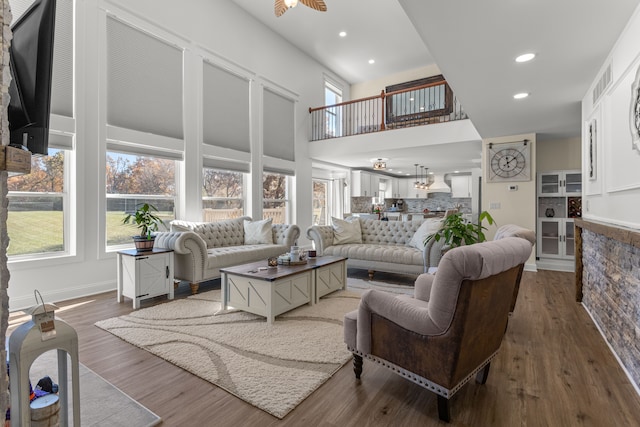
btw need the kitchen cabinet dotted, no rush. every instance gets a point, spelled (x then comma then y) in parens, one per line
(559, 203)
(365, 184)
(461, 186)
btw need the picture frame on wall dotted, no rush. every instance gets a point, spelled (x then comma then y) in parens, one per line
(593, 150)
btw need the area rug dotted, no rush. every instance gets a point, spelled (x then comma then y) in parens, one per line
(273, 367)
(101, 403)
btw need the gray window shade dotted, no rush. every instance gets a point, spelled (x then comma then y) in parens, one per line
(225, 109)
(227, 165)
(143, 151)
(144, 82)
(62, 75)
(279, 171)
(279, 129)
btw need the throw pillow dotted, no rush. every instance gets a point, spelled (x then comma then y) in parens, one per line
(258, 232)
(346, 231)
(427, 228)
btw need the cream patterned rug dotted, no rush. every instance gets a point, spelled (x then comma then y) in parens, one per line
(273, 367)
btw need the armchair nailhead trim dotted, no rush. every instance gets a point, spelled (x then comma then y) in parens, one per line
(421, 381)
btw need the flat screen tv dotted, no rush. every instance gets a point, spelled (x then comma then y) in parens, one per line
(31, 63)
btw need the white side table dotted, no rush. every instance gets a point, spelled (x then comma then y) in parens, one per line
(145, 274)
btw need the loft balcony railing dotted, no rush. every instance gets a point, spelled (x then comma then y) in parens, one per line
(416, 106)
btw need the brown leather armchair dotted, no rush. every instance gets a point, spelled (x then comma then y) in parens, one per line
(452, 329)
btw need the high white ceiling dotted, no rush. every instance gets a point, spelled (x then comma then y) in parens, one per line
(474, 43)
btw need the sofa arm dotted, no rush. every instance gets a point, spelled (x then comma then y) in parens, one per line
(285, 234)
(190, 253)
(433, 253)
(322, 236)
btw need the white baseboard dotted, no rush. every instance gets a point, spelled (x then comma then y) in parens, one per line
(65, 294)
(556, 265)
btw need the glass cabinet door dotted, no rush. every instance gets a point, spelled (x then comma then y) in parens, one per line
(550, 184)
(549, 244)
(573, 183)
(569, 240)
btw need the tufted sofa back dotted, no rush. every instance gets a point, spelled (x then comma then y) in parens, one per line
(388, 232)
(218, 234)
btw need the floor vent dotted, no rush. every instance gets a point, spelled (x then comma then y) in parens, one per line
(603, 83)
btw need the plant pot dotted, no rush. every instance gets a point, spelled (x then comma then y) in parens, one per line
(143, 243)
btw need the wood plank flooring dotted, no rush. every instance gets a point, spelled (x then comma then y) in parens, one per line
(554, 369)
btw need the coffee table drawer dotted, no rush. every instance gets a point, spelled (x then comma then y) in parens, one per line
(330, 278)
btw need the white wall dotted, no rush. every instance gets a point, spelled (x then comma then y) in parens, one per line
(374, 87)
(563, 154)
(614, 196)
(516, 207)
(219, 31)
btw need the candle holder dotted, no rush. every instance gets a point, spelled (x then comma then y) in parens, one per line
(272, 261)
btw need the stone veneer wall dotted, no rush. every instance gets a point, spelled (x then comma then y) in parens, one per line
(611, 294)
(5, 78)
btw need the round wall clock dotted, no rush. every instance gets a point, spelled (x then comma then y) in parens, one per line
(509, 161)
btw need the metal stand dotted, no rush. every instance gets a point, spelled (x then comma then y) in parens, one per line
(25, 346)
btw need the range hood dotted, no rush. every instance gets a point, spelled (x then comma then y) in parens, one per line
(439, 186)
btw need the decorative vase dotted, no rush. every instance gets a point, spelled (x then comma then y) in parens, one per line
(143, 243)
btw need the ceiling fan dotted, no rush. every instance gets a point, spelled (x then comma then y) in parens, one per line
(281, 6)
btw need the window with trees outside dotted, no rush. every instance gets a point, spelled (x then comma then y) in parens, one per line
(222, 194)
(275, 197)
(333, 119)
(132, 180)
(38, 206)
(320, 201)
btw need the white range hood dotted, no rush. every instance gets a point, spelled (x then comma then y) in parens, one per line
(439, 186)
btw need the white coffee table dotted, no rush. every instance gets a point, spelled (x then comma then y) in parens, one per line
(270, 291)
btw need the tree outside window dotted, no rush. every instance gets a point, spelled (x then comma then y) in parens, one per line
(37, 203)
(274, 195)
(320, 198)
(132, 180)
(222, 194)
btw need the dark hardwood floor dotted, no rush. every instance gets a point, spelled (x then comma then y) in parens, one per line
(554, 369)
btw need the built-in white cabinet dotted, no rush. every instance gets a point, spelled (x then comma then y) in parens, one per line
(559, 203)
(556, 238)
(560, 183)
(461, 186)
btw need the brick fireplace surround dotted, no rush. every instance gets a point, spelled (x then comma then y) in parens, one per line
(608, 285)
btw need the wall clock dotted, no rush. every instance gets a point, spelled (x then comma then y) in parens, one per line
(509, 161)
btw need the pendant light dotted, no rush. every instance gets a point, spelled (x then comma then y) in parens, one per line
(416, 184)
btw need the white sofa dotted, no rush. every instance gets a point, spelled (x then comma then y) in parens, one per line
(392, 246)
(201, 249)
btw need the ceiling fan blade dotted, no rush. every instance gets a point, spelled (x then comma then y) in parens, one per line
(280, 7)
(315, 4)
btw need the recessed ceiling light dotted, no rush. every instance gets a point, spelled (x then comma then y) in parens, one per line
(411, 99)
(520, 95)
(372, 61)
(342, 34)
(525, 57)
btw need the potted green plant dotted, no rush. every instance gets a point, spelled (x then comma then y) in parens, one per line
(457, 232)
(147, 221)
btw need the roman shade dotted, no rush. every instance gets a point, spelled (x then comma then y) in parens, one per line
(225, 121)
(225, 164)
(279, 126)
(144, 81)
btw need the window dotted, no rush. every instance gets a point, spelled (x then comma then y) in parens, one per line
(37, 221)
(134, 179)
(320, 201)
(222, 194)
(275, 197)
(333, 119)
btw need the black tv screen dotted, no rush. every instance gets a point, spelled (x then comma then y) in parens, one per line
(31, 64)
